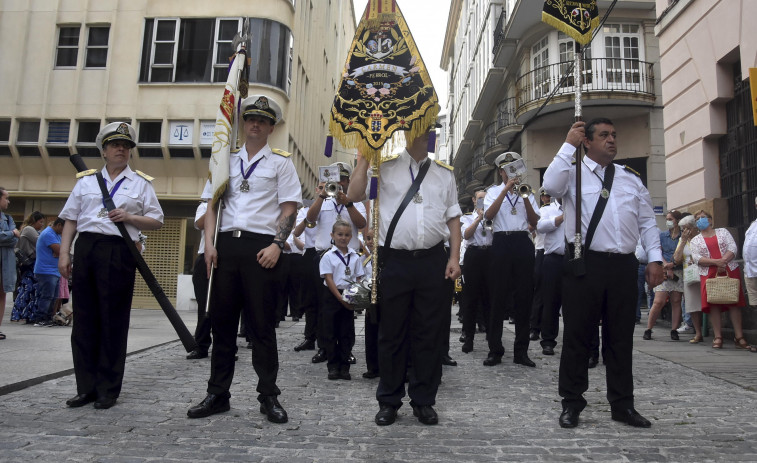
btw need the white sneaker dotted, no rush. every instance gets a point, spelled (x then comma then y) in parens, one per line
(685, 329)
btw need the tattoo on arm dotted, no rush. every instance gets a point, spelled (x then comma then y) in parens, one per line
(284, 227)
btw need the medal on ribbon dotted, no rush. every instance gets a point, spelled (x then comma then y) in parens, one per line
(103, 213)
(245, 186)
(346, 262)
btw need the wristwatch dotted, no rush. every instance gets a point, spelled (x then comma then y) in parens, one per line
(280, 244)
(348, 205)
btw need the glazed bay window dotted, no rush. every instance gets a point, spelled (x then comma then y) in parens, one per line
(198, 50)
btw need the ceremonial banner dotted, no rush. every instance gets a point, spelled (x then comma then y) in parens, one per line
(576, 18)
(385, 87)
(223, 132)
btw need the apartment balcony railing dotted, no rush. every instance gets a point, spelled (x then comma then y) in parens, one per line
(506, 113)
(480, 168)
(499, 31)
(630, 77)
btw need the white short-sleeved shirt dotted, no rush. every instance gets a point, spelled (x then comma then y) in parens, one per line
(505, 220)
(331, 263)
(628, 214)
(326, 219)
(308, 235)
(749, 251)
(273, 182)
(136, 195)
(422, 225)
(554, 236)
(481, 237)
(201, 210)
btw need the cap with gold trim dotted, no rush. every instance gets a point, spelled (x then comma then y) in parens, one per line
(345, 170)
(261, 105)
(116, 131)
(506, 158)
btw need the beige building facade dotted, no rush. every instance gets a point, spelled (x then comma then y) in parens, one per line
(72, 66)
(706, 50)
(511, 88)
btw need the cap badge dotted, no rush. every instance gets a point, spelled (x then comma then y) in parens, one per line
(123, 129)
(261, 103)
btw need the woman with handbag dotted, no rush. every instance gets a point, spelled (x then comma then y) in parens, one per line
(692, 293)
(672, 287)
(714, 250)
(24, 306)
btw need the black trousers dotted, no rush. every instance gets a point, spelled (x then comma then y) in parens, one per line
(240, 284)
(338, 331)
(200, 283)
(608, 293)
(476, 277)
(295, 285)
(103, 278)
(512, 275)
(282, 301)
(371, 330)
(537, 305)
(411, 323)
(551, 295)
(312, 293)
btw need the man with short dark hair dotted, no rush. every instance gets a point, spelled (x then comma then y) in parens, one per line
(46, 272)
(606, 290)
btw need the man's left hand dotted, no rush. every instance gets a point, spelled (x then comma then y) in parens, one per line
(654, 275)
(267, 257)
(453, 270)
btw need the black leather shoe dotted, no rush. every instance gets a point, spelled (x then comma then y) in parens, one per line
(674, 335)
(534, 336)
(548, 350)
(80, 400)
(370, 374)
(105, 403)
(492, 360)
(467, 345)
(630, 417)
(305, 345)
(344, 373)
(593, 362)
(523, 360)
(351, 359)
(647, 335)
(333, 373)
(386, 415)
(269, 405)
(463, 337)
(196, 354)
(210, 405)
(319, 356)
(425, 414)
(448, 361)
(569, 418)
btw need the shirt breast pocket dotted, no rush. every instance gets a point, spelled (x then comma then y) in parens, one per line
(264, 179)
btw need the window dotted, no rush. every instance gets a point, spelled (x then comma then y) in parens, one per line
(148, 139)
(97, 47)
(5, 132)
(207, 129)
(198, 50)
(540, 60)
(57, 138)
(68, 47)
(27, 138)
(85, 138)
(622, 53)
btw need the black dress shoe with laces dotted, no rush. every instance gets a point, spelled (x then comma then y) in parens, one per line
(80, 400)
(523, 360)
(569, 418)
(593, 362)
(425, 414)
(210, 405)
(197, 354)
(351, 359)
(305, 345)
(319, 356)
(548, 350)
(467, 345)
(492, 360)
(386, 415)
(448, 361)
(630, 417)
(105, 403)
(270, 406)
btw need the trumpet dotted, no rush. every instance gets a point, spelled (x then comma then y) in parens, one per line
(487, 226)
(524, 190)
(332, 188)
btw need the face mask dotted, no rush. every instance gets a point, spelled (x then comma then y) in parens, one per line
(702, 223)
(669, 224)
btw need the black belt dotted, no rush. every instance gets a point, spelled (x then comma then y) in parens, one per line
(480, 247)
(518, 232)
(246, 235)
(601, 254)
(407, 253)
(102, 237)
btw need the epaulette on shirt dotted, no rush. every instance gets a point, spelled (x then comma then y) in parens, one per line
(84, 173)
(446, 166)
(629, 170)
(468, 213)
(281, 152)
(144, 175)
(367, 259)
(391, 157)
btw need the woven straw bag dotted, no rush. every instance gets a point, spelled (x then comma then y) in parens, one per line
(723, 290)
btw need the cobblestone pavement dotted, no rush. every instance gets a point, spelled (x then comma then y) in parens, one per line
(502, 413)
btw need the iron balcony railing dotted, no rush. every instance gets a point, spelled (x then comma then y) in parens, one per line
(479, 162)
(506, 113)
(499, 31)
(491, 135)
(599, 75)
